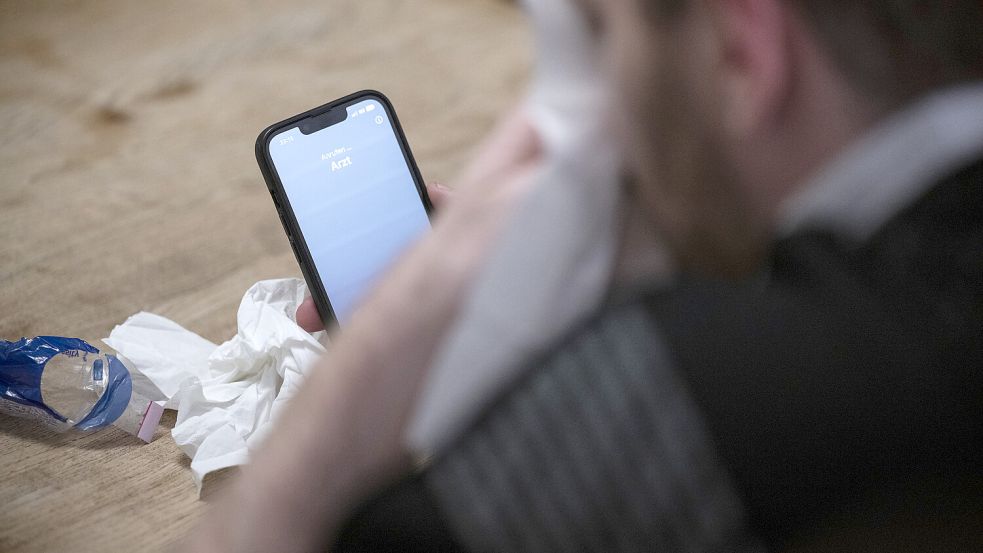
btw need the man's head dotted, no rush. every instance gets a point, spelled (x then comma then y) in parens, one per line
(726, 106)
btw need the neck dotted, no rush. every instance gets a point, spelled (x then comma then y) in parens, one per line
(821, 117)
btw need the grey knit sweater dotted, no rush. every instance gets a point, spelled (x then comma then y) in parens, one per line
(615, 459)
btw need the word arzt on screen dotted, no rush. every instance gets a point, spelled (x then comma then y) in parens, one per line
(341, 163)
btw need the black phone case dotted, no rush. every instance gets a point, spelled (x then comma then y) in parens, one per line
(294, 235)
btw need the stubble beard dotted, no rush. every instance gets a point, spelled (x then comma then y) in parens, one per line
(685, 179)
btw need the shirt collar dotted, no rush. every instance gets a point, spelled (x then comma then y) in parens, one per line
(890, 167)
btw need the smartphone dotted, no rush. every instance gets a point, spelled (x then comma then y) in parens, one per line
(349, 194)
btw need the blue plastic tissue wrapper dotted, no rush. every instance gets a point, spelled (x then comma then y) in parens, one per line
(226, 395)
(22, 364)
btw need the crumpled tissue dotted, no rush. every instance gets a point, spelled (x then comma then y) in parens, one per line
(226, 396)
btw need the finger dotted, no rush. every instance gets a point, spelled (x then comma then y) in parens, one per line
(513, 142)
(439, 195)
(307, 316)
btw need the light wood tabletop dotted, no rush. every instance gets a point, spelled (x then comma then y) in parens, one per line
(128, 183)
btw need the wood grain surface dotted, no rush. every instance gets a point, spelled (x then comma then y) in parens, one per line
(128, 183)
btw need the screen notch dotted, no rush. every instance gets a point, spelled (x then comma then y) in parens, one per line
(324, 120)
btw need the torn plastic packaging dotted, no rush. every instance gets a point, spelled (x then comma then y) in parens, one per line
(65, 383)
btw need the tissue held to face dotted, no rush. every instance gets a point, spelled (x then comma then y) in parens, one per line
(669, 120)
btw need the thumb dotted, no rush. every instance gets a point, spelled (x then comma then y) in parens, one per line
(439, 195)
(307, 316)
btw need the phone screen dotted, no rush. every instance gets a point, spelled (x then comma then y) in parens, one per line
(354, 198)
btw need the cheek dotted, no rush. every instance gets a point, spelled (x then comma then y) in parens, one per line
(631, 65)
(665, 140)
(666, 119)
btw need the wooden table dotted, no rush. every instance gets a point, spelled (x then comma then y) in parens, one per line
(128, 183)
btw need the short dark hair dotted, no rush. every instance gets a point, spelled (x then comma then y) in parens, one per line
(893, 49)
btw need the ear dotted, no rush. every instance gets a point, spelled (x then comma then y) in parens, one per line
(755, 61)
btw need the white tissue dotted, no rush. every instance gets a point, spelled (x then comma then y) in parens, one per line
(554, 264)
(226, 396)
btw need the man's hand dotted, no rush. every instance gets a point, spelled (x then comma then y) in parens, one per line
(340, 439)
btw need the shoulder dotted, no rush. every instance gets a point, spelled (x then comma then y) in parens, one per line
(850, 368)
